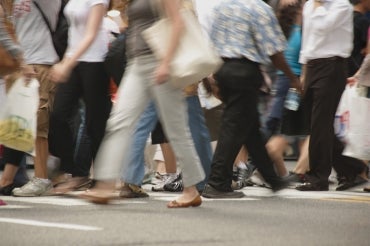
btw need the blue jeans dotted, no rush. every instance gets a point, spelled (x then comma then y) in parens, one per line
(133, 168)
(281, 87)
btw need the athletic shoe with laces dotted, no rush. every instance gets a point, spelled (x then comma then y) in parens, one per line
(35, 187)
(167, 178)
(174, 186)
(241, 175)
(258, 180)
(158, 178)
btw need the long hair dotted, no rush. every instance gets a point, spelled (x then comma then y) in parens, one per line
(287, 15)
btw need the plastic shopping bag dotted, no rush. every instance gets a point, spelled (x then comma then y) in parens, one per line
(341, 121)
(354, 123)
(18, 116)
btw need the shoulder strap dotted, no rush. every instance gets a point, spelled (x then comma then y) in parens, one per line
(43, 16)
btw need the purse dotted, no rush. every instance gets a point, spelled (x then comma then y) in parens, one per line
(8, 64)
(195, 57)
(115, 60)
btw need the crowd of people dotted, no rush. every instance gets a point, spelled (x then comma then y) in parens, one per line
(268, 48)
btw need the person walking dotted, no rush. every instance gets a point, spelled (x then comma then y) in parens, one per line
(81, 75)
(147, 77)
(327, 42)
(39, 55)
(257, 40)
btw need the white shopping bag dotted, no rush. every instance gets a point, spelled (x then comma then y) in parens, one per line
(18, 116)
(206, 99)
(354, 123)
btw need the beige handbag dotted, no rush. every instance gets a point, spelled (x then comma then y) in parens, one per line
(195, 57)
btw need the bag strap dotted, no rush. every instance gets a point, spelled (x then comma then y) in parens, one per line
(157, 7)
(44, 17)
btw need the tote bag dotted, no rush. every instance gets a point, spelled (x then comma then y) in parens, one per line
(18, 116)
(195, 57)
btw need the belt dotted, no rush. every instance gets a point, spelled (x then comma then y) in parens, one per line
(328, 59)
(241, 60)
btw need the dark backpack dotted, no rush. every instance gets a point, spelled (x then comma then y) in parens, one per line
(115, 60)
(60, 35)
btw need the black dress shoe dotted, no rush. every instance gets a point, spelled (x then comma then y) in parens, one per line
(210, 192)
(296, 177)
(279, 184)
(7, 190)
(347, 184)
(312, 187)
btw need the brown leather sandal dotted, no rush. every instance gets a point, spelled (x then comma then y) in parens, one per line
(98, 197)
(196, 202)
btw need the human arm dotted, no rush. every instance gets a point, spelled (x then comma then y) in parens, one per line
(6, 40)
(14, 48)
(278, 60)
(172, 8)
(61, 71)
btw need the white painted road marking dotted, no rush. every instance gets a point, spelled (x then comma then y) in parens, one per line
(48, 224)
(251, 194)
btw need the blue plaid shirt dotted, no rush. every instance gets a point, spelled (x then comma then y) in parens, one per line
(246, 29)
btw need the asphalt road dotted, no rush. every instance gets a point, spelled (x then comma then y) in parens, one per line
(289, 217)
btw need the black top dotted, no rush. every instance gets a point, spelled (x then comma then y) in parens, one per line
(361, 25)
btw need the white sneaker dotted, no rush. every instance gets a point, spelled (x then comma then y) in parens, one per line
(258, 180)
(35, 187)
(158, 178)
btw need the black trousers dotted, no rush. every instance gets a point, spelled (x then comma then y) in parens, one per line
(12, 156)
(90, 82)
(325, 83)
(239, 124)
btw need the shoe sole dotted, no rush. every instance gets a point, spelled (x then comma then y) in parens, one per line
(49, 193)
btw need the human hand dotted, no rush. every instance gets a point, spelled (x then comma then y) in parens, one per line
(59, 73)
(317, 4)
(28, 72)
(296, 83)
(162, 73)
(284, 3)
(351, 80)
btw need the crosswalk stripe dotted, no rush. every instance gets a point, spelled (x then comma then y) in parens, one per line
(48, 224)
(251, 194)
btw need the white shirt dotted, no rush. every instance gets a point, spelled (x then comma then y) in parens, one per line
(327, 30)
(204, 10)
(77, 12)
